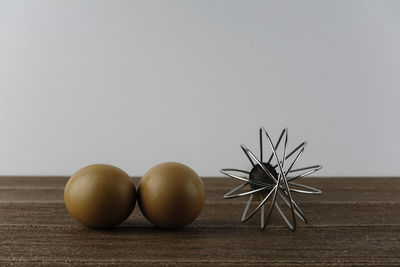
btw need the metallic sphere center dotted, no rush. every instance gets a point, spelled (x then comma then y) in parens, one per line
(258, 175)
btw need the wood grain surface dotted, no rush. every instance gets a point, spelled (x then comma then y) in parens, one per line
(356, 221)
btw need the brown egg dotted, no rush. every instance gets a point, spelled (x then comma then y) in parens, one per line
(100, 196)
(171, 195)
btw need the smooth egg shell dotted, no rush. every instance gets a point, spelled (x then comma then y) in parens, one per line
(100, 196)
(171, 195)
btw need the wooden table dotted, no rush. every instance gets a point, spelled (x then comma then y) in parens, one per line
(356, 222)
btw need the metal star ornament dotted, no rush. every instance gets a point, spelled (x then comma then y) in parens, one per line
(272, 181)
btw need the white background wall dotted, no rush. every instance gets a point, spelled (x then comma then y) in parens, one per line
(135, 83)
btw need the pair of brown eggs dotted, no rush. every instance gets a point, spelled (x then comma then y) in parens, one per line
(170, 195)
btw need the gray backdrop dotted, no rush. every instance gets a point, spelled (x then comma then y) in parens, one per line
(135, 83)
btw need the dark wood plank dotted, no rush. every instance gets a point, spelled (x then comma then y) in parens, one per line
(334, 189)
(355, 222)
(362, 245)
(220, 215)
(364, 183)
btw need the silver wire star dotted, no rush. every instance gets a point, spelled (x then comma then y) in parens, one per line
(267, 181)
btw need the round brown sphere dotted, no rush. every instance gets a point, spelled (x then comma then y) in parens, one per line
(100, 196)
(171, 195)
